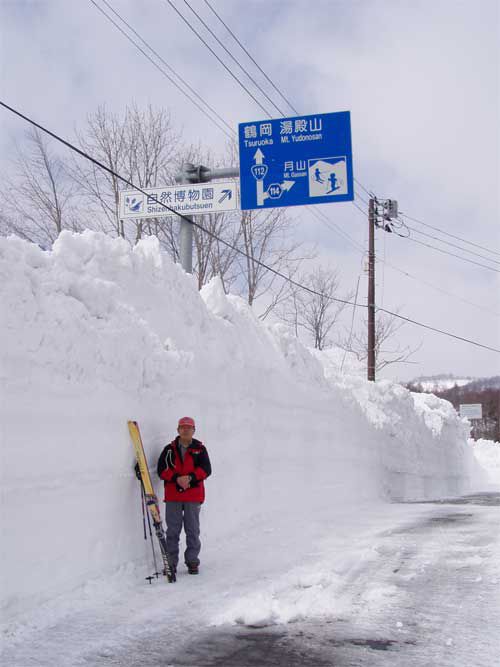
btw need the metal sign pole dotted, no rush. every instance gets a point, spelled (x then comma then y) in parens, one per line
(196, 174)
(186, 244)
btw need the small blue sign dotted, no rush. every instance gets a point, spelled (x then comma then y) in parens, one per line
(296, 161)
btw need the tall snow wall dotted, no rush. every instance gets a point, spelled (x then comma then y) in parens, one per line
(96, 332)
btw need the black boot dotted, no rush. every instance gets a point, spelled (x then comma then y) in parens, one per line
(193, 568)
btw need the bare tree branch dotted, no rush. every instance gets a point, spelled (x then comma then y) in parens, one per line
(316, 314)
(38, 195)
(143, 147)
(386, 329)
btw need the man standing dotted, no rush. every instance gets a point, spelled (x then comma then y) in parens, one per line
(183, 465)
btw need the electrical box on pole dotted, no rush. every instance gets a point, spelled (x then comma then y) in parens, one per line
(390, 209)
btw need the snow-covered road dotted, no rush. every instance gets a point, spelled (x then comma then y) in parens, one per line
(414, 585)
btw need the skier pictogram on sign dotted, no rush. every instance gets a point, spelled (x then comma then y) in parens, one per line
(327, 176)
(296, 161)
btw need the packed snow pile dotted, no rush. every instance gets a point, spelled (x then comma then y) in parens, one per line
(96, 332)
(487, 453)
(422, 434)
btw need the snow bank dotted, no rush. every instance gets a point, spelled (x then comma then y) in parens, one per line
(97, 332)
(425, 452)
(487, 454)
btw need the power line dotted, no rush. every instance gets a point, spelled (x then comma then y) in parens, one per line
(458, 238)
(408, 227)
(431, 285)
(219, 59)
(370, 194)
(278, 90)
(453, 245)
(161, 59)
(357, 182)
(364, 213)
(163, 71)
(426, 326)
(238, 63)
(255, 83)
(358, 196)
(133, 186)
(383, 272)
(252, 59)
(281, 94)
(432, 247)
(328, 223)
(229, 245)
(447, 252)
(438, 289)
(332, 226)
(319, 215)
(345, 235)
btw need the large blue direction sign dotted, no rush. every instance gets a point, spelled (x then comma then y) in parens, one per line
(296, 161)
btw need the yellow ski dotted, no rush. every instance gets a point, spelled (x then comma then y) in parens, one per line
(150, 496)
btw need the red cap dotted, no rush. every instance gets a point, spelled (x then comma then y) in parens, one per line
(186, 421)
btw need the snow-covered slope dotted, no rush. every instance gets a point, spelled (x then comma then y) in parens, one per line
(436, 383)
(96, 332)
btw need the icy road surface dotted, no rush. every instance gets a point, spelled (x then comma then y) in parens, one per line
(421, 587)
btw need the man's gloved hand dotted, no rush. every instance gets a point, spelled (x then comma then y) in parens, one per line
(137, 471)
(184, 481)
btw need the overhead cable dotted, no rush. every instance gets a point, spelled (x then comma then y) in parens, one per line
(252, 59)
(167, 65)
(229, 245)
(255, 83)
(171, 69)
(452, 254)
(453, 245)
(219, 59)
(193, 101)
(432, 247)
(436, 288)
(442, 231)
(441, 331)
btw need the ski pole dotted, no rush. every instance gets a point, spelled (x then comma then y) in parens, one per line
(143, 513)
(150, 532)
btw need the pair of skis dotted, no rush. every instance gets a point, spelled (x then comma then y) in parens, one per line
(150, 497)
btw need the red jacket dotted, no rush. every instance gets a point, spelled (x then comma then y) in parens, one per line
(196, 464)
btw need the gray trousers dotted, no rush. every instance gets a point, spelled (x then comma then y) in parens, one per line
(178, 514)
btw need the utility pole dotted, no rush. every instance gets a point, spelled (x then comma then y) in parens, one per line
(389, 212)
(191, 173)
(371, 289)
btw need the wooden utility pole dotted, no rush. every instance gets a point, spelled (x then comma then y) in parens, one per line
(371, 289)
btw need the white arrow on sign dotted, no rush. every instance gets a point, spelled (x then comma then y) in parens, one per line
(187, 198)
(259, 159)
(259, 156)
(275, 190)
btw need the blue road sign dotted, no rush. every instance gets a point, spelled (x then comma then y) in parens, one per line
(296, 161)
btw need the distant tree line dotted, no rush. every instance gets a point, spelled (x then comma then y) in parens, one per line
(486, 392)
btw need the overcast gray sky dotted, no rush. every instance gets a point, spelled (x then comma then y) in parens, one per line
(421, 80)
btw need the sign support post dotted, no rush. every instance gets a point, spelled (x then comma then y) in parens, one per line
(196, 174)
(197, 196)
(186, 243)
